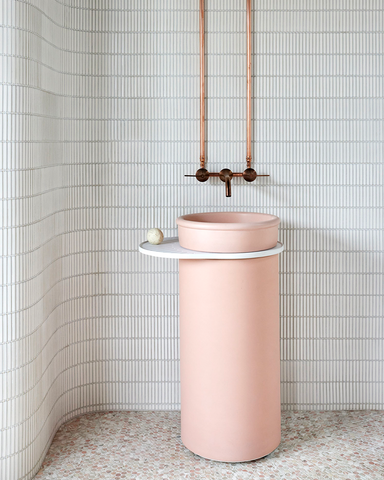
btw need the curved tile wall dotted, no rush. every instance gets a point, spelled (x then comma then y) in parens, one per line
(100, 122)
(50, 243)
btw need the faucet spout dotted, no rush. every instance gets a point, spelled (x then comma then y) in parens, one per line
(226, 176)
(228, 192)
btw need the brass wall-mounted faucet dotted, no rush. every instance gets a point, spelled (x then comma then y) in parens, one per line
(225, 174)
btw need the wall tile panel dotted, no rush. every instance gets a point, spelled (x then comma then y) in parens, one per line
(99, 123)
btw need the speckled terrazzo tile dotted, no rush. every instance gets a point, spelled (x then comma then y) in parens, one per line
(344, 445)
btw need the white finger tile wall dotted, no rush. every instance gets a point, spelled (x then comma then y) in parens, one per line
(99, 123)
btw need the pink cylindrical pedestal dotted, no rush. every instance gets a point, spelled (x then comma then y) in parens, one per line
(230, 357)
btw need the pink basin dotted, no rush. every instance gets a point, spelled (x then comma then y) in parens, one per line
(228, 232)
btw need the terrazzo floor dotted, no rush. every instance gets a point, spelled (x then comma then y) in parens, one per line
(146, 445)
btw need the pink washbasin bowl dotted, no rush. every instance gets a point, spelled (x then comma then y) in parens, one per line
(228, 232)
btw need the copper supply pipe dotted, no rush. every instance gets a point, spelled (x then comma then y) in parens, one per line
(202, 87)
(225, 175)
(249, 86)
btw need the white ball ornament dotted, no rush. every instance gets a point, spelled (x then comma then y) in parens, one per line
(155, 236)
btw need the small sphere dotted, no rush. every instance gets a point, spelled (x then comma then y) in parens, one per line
(155, 236)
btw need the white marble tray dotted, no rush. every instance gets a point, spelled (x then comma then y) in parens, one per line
(170, 248)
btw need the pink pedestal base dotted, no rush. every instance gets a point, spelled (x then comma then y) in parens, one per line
(230, 357)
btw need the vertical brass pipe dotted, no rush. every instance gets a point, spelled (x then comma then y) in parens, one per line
(249, 86)
(202, 87)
